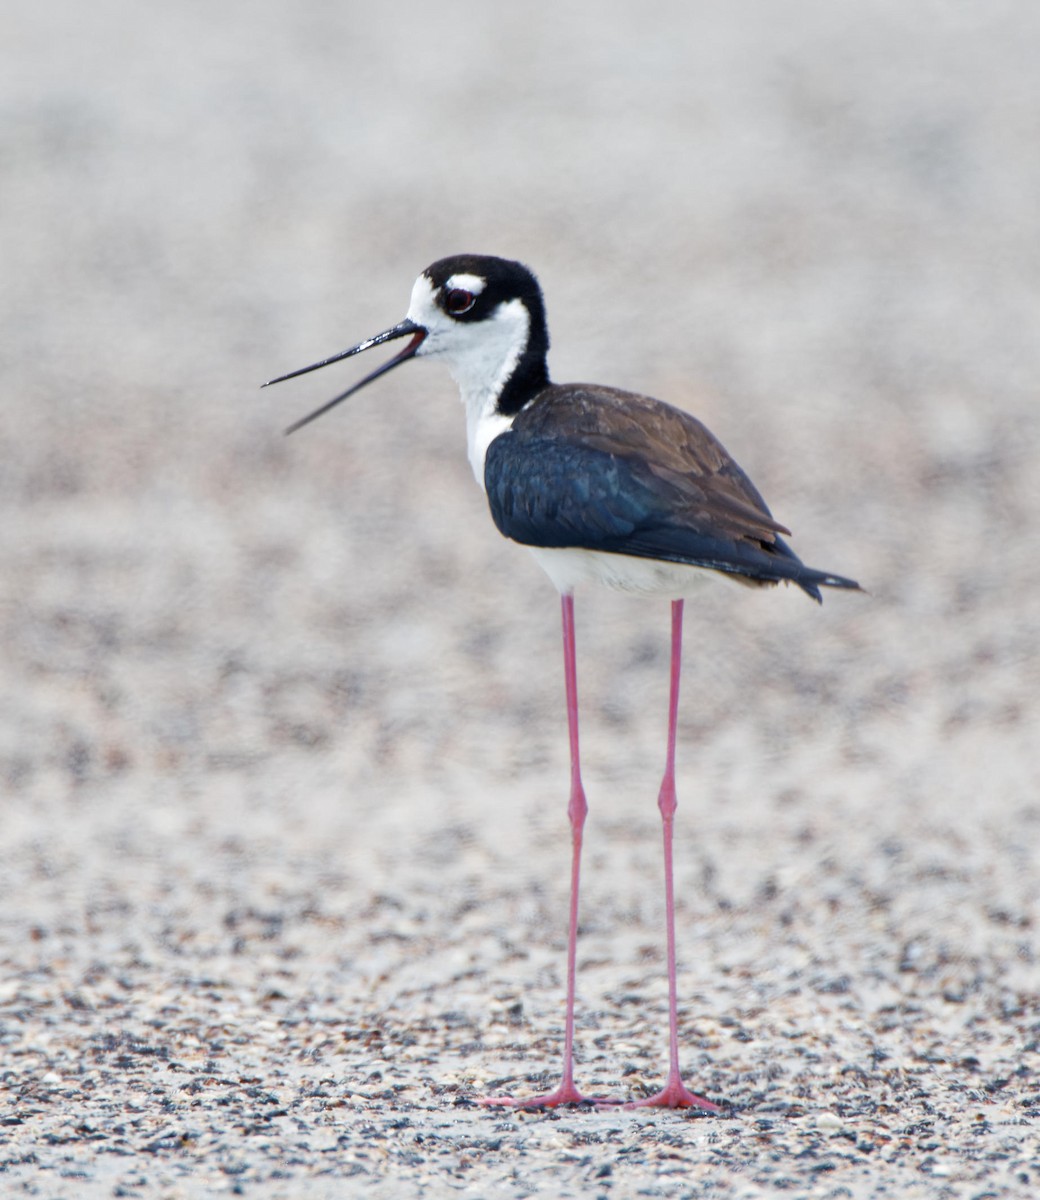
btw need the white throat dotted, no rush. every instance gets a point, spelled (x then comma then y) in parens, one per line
(480, 390)
(481, 355)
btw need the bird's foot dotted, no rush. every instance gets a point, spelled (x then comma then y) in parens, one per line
(566, 1093)
(675, 1094)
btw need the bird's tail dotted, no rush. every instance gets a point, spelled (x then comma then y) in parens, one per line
(810, 581)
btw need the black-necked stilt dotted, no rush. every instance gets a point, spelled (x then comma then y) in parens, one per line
(602, 485)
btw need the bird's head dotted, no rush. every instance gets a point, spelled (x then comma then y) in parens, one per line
(483, 316)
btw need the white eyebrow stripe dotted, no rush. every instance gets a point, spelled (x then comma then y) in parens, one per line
(466, 283)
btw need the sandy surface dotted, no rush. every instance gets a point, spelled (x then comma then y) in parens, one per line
(282, 751)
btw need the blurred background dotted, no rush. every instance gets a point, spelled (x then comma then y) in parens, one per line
(238, 668)
(813, 226)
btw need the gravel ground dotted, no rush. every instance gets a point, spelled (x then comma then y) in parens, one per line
(282, 744)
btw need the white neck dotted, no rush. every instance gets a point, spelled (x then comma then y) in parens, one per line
(482, 369)
(481, 355)
(484, 422)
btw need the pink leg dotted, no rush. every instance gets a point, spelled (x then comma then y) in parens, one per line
(566, 1092)
(674, 1094)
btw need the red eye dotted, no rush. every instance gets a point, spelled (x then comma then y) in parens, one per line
(457, 301)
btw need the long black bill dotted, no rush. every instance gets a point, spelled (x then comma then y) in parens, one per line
(388, 335)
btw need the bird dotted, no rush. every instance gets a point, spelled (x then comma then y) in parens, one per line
(603, 486)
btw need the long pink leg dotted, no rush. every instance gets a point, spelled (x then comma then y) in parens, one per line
(566, 1092)
(674, 1094)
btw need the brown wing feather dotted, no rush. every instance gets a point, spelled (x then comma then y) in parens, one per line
(707, 484)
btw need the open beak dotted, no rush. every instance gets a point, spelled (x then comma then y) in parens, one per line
(405, 329)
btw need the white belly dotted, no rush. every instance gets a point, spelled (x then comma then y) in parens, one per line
(568, 568)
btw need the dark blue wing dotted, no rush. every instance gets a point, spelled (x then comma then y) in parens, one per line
(553, 492)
